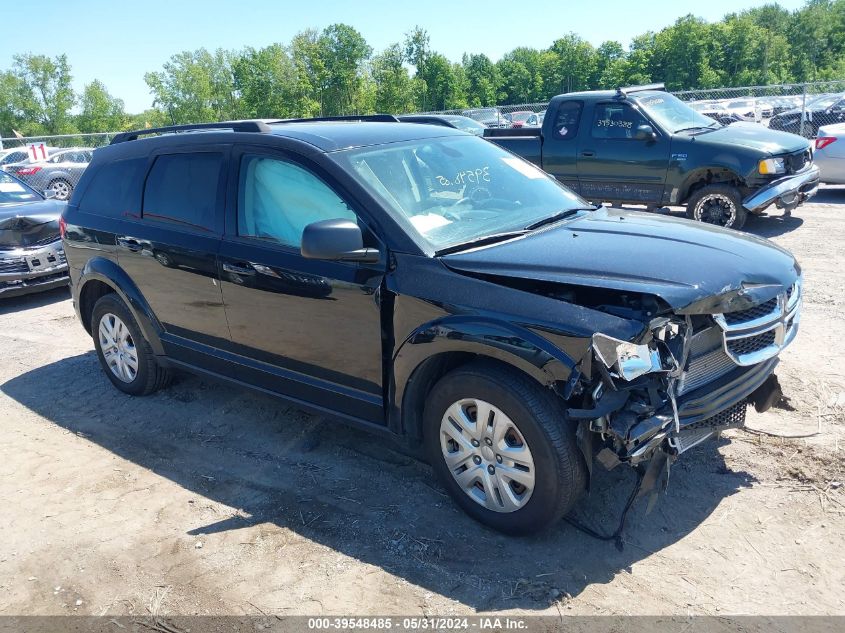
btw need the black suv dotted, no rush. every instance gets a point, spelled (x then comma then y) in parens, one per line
(427, 285)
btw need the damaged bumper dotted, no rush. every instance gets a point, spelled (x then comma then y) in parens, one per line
(24, 271)
(785, 193)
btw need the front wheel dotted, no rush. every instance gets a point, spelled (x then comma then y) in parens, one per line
(717, 204)
(502, 447)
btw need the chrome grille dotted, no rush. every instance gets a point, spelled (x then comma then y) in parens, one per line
(761, 332)
(751, 314)
(751, 344)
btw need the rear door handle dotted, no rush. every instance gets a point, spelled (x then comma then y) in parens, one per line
(238, 269)
(129, 243)
(588, 154)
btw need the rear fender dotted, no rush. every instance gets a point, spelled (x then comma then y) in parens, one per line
(108, 272)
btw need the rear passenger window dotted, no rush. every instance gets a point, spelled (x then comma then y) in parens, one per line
(182, 189)
(115, 189)
(568, 119)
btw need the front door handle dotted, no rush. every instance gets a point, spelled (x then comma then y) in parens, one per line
(238, 269)
(588, 153)
(129, 243)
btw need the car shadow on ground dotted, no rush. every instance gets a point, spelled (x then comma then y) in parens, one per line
(33, 301)
(348, 491)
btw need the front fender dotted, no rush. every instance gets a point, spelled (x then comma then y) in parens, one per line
(514, 345)
(108, 272)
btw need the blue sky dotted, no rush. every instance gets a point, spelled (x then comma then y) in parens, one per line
(117, 42)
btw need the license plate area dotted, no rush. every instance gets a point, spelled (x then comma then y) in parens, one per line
(43, 260)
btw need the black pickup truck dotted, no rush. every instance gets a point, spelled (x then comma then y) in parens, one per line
(642, 145)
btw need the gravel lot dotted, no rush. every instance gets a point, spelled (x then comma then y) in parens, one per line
(207, 499)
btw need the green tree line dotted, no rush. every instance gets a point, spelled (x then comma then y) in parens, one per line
(335, 71)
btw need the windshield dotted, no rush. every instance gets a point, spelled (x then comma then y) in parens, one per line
(13, 190)
(670, 113)
(521, 116)
(453, 190)
(465, 124)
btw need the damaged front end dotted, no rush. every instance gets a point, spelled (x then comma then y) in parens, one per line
(689, 376)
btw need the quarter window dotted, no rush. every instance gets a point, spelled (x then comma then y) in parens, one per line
(115, 189)
(278, 199)
(616, 121)
(182, 189)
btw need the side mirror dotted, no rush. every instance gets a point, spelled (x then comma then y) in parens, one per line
(645, 133)
(49, 194)
(336, 240)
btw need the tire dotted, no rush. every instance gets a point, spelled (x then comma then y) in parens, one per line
(720, 205)
(120, 345)
(534, 420)
(62, 188)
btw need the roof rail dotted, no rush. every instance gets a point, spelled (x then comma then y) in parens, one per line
(235, 126)
(383, 118)
(622, 92)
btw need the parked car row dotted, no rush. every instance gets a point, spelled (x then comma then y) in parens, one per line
(779, 113)
(59, 171)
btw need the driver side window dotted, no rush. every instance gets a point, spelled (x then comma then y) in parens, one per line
(277, 199)
(616, 121)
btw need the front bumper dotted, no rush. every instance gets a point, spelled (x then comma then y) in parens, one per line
(24, 271)
(716, 406)
(786, 193)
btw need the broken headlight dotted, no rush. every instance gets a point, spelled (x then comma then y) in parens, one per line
(628, 360)
(664, 350)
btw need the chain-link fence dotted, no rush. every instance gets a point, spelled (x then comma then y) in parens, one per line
(797, 108)
(50, 162)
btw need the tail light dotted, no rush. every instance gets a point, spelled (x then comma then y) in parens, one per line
(28, 171)
(824, 141)
(62, 226)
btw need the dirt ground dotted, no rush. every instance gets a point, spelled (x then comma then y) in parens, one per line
(207, 499)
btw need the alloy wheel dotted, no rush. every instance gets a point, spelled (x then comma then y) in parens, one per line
(118, 347)
(487, 455)
(715, 209)
(61, 189)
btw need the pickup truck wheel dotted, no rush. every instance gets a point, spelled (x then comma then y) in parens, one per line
(501, 446)
(124, 353)
(717, 204)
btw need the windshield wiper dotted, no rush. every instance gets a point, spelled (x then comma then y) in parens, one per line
(481, 241)
(556, 217)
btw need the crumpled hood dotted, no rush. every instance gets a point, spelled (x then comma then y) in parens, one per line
(26, 224)
(681, 261)
(757, 137)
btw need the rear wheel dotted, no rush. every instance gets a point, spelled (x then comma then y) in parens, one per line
(125, 355)
(502, 447)
(717, 204)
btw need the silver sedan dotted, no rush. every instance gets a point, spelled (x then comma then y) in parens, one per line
(830, 154)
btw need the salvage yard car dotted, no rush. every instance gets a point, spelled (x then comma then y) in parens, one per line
(428, 286)
(642, 145)
(60, 172)
(31, 256)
